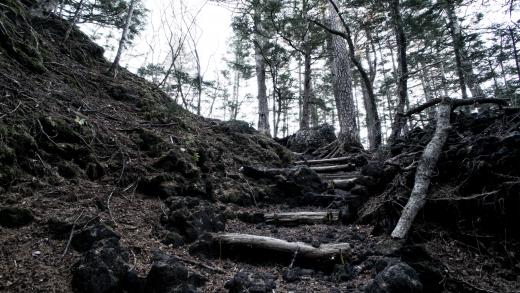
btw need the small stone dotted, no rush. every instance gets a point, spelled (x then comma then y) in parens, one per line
(291, 274)
(36, 253)
(396, 278)
(86, 238)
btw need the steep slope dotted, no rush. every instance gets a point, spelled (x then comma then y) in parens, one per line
(78, 147)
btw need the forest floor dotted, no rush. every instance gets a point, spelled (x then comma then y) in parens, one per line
(107, 185)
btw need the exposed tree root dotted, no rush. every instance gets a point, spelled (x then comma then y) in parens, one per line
(336, 149)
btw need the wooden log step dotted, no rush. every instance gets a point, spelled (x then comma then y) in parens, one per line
(321, 254)
(324, 161)
(340, 175)
(348, 183)
(334, 168)
(299, 218)
(344, 184)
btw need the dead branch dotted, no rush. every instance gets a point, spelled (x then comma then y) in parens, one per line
(200, 264)
(424, 171)
(456, 103)
(430, 156)
(71, 233)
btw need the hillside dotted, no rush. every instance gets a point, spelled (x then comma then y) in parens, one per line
(106, 185)
(75, 142)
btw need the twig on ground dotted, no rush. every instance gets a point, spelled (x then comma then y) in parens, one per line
(71, 234)
(108, 206)
(197, 263)
(12, 111)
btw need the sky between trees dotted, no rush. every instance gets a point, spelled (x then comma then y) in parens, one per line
(201, 30)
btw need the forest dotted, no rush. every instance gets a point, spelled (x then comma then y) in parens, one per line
(259, 146)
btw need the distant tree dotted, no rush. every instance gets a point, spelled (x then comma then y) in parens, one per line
(124, 37)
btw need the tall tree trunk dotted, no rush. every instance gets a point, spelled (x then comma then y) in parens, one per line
(342, 83)
(122, 41)
(444, 82)
(75, 20)
(515, 51)
(427, 88)
(402, 70)
(263, 107)
(387, 88)
(347, 35)
(300, 89)
(371, 121)
(458, 43)
(306, 99)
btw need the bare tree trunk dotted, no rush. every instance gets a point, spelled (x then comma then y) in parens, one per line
(300, 90)
(75, 20)
(402, 71)
(427, 88)
(444, 82)
(199, 76)
(305, 115)
(371, 121)
(122, 41)
(428, 162)
(387, 91)
(515, 51)
(263, 107)
(458, 42)
(342, 84)
(425, 169)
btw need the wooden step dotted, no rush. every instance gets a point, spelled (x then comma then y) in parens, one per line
(340, 176)
(334, 168)
(298, 218)
(323, 161)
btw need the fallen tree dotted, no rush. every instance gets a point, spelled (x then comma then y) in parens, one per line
(324, 253)
(430, 156)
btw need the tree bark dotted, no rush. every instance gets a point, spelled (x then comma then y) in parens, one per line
(306, 98)
(342, 83)
(402, 70)
(122, 41)
(263, 107)
(515, 51)
(458, 43)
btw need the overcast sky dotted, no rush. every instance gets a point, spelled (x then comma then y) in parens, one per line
(212, 30)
